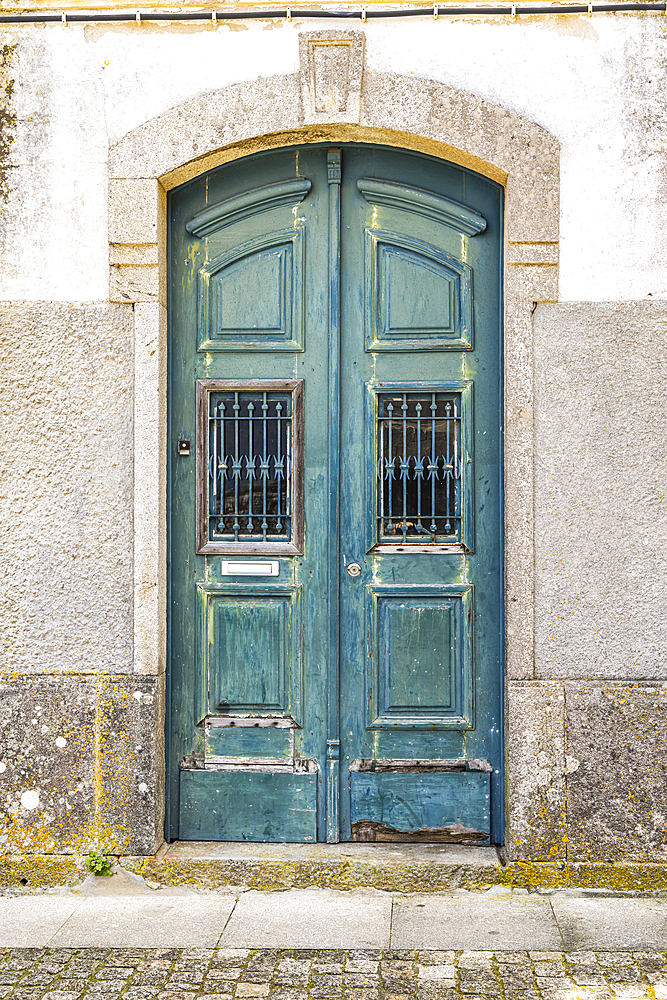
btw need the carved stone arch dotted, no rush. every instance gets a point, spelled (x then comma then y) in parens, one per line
(331, 99)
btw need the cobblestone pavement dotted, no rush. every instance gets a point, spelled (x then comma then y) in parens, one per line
(242, 974)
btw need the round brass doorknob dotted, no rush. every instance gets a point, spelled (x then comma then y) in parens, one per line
(354, 569)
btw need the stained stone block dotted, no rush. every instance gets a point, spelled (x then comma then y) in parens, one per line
(617, 780)
(77, 764)
(536, 760)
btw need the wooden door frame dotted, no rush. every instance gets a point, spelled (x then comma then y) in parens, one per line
(242, 119)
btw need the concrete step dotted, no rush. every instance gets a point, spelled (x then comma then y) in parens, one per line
(391, 867)
(423, 868)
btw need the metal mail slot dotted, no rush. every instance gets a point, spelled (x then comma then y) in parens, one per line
(267, 567)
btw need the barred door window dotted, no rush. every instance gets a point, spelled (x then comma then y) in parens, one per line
(250, 460)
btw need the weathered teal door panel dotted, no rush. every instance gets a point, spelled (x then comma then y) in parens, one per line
(274, 807)
(335, 524)
(419, 657)
(252, 295)
(436, 806)
(419, 296)
(233, 744)
(250, 642)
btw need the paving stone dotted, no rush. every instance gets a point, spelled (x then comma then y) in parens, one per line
(557, 989)
(636, 991)
(283, 994)
(475, 959)
(174, 995)
(435, 973)
(436, 993)
(623, 975)
(549, 968)
(465, 922)
(63, 995)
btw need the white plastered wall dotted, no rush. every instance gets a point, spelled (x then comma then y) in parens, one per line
(109, 119)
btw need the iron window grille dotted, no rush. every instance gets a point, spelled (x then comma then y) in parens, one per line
(250, 466)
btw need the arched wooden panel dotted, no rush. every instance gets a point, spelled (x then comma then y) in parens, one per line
(252, 296)
(419, 297)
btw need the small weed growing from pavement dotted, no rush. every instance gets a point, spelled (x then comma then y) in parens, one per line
(98, 864)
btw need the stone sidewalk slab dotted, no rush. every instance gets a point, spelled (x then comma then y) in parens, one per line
(328, 918)
(310, 918)
(141, 922)
(31, 921)
(474, 922)
(608, 924)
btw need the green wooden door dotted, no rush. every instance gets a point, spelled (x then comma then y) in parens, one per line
(335, 500)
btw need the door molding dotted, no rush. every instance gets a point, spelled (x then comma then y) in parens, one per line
(236, 121)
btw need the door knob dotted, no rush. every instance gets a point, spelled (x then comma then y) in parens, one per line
(354, 569)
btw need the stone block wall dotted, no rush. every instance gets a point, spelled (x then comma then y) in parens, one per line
(587, 749)
(80, 735)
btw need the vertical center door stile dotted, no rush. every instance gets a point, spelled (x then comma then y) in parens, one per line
(333, 734)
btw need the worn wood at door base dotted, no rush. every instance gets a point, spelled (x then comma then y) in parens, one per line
(445, 806)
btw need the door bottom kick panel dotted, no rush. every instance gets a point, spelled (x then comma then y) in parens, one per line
(421, 805)
(237, 804)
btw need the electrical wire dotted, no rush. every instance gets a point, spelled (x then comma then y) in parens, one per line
(292, 14)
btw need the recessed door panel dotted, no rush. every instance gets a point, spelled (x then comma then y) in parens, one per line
(252, 296)
(420, 658)
(335, 543)
(248, 653)
(419, 297)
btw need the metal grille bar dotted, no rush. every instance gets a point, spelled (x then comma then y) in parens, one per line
(419, 467)
(250, 466)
